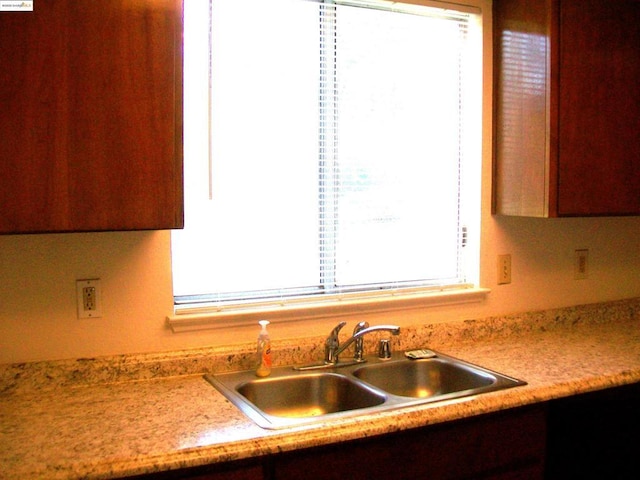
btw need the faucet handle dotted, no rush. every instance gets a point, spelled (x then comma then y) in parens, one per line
(332, 343)
(358, 355)
(334, 333)
(384, 349)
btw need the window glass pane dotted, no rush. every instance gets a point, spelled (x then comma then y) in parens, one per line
(325, 148)
(259, 229)
(398, 130)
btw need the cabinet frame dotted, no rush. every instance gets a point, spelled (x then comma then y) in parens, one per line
(566, 110)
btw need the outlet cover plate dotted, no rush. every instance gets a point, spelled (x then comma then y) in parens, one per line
(504, 269)
(89, 298)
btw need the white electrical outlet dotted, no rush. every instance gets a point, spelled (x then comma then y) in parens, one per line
(89, 298)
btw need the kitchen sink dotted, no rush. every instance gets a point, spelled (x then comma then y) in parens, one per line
(289, 397)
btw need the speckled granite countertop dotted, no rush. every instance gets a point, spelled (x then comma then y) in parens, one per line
(128, 415)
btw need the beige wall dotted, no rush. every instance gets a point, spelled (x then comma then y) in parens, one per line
(38, 272)
(38, 318)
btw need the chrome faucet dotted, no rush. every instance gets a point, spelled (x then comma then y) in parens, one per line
(333, 349)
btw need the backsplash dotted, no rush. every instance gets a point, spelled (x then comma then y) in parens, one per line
(121, 368)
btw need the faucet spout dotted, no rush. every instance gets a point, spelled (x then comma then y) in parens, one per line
(394, 329)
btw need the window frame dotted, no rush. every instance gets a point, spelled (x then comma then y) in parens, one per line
(190, 315)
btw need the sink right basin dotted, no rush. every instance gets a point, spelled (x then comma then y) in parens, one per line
(425, 378)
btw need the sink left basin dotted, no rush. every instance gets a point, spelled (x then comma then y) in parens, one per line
(285, 399)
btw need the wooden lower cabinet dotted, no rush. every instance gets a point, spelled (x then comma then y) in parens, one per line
(246, 473)
(505, 445)
(595, 435)
(500, 446)
(252, 469)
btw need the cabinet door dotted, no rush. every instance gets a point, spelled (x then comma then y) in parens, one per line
(567, 107)
(91, 116)
(599, 108)
(251, 469)
(524, 115)
(509, 444)
(595, 435)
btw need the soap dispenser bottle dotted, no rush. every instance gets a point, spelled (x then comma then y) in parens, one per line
(264, 351)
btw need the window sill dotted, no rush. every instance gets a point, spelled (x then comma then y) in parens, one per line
(194, 318)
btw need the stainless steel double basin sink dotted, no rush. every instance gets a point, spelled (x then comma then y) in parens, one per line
(290, 398)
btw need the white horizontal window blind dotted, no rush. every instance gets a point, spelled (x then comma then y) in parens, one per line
(340, 151)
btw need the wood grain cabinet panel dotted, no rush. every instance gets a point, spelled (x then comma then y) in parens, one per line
(566, 107)
(509, 444)
(251, 469)
(91, 116)
(504, 445)
(595, 435)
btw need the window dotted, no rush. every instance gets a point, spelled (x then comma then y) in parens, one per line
(331, 148)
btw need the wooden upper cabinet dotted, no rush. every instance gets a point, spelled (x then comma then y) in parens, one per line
(91, 116)
(566, 107)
